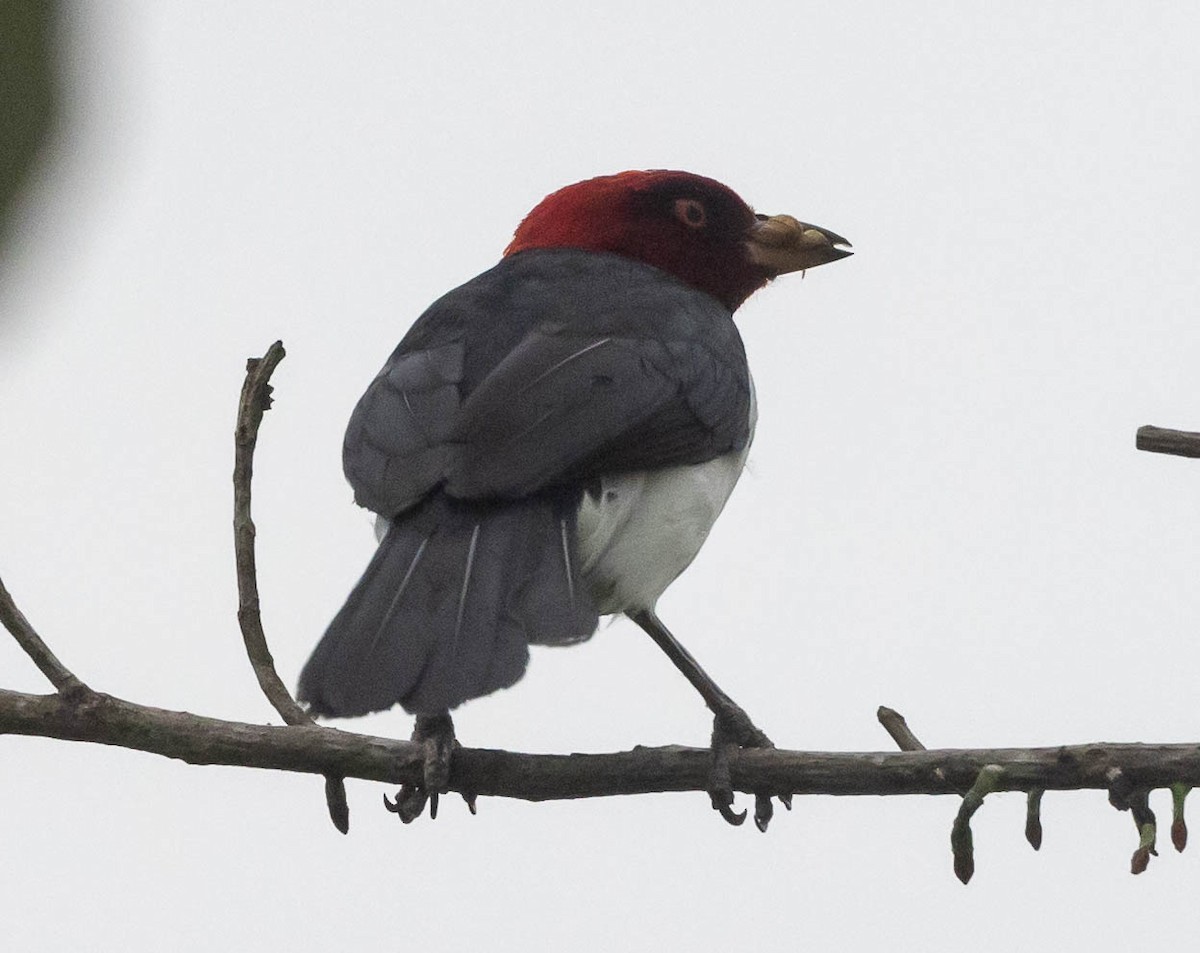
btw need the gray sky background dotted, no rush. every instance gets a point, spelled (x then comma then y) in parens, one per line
(944, 510)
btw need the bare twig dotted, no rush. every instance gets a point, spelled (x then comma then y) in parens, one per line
(1179, 831)
(1147, 828)
(337, 803)
(962, 841)
(540, 777)
(1126, 794)
(964, 860)
(1033, 817)
(255, 401)
(894, 724)
(59, 675)
(1181, 443)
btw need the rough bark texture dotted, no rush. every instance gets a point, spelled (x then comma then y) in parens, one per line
(195, 739)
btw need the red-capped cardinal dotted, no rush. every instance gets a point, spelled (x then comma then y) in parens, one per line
(552, 442)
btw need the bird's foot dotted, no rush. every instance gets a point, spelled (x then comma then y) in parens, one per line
(435, 734)
(733, 729)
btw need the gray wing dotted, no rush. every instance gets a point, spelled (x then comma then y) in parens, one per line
(565, 408)
(504, 388)
(396, 448)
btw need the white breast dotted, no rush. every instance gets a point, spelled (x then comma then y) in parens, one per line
(643, 529)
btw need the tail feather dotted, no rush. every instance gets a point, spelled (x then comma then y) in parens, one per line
(554, 600)
(447, 608)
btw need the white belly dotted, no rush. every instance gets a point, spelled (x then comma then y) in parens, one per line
(643, 529)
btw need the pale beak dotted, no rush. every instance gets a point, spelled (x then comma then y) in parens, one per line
(780, 244)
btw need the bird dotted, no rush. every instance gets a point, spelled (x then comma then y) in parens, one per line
(551, 442)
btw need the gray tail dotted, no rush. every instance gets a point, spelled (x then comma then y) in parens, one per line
(448, 607)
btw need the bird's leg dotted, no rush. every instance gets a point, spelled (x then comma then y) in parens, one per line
(732, 727)
(435, 734)
(735, 724)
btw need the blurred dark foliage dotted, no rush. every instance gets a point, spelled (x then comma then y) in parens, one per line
(28, 93)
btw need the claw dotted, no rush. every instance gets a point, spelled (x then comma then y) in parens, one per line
(737, 819)
(734, 729)
(409, 803)
(720, 785)
(435, 734)
(471, 800)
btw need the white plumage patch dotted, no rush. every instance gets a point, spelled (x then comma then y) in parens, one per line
(641, 530)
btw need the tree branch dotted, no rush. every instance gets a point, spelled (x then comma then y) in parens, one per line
(894, 724)
(47, 662)
(313, 749)
(256, 401)
(1181, 443)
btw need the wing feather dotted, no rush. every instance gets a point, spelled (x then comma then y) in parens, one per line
(552, 368)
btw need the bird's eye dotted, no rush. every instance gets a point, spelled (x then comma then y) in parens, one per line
(691, 213)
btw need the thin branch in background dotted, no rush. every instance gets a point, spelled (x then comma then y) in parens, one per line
(47, 662)
(254, 402)
(1181, 443)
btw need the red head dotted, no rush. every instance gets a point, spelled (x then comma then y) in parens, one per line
(690, 226)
